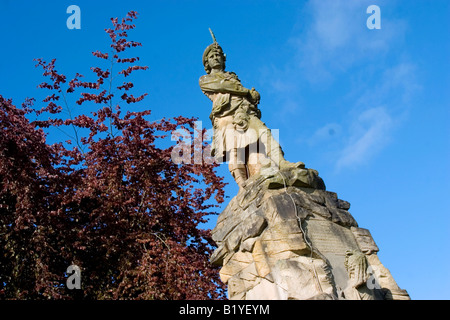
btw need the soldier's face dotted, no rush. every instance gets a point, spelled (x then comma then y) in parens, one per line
(215, 60)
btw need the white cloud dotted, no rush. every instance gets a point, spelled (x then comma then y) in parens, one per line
(395, 85)
(325, 133)
(368, 134)
(338, 38)
(365, 73)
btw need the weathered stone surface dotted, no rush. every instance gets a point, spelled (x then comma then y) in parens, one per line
(247, 245)
(235, 264)
(260, 258)
(322, 296)
(365, 241)
(264, 290)
(341, 204)
(218, 255)
(252, 226)
(297, 243)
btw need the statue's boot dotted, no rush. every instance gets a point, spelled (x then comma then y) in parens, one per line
(276, 154)
(237, 166)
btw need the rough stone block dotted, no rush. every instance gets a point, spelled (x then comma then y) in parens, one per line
(252, 226)
(265, 290)
(247, 245)
(235, 264)
(341, 204)
(365, 241)
(297, 243)
(261, 263)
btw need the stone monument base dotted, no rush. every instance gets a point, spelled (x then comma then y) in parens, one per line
(285, 237)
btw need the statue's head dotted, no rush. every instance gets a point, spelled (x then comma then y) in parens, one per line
(213, 57)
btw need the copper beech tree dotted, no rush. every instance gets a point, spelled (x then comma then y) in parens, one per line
(109, 200)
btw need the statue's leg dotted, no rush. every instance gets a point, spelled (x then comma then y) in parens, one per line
(239, 174)
(237, 166)
(235, 154)
(273, 148)
(256, 159)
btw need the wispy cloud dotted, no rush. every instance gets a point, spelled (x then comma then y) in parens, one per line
(325, 133)
(335, 45)
(338, 39)
(367, 136)
(395, 85)
(371, 128)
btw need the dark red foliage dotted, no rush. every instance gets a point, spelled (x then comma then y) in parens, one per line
(115, 204)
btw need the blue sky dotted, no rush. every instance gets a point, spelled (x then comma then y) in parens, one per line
(368, 109)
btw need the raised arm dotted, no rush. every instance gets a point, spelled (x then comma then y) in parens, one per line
(217, 85)
(212, 84)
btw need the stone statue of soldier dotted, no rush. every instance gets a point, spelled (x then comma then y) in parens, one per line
(240, 137)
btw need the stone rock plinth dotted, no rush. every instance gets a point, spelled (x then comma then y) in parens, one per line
(285, 237)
